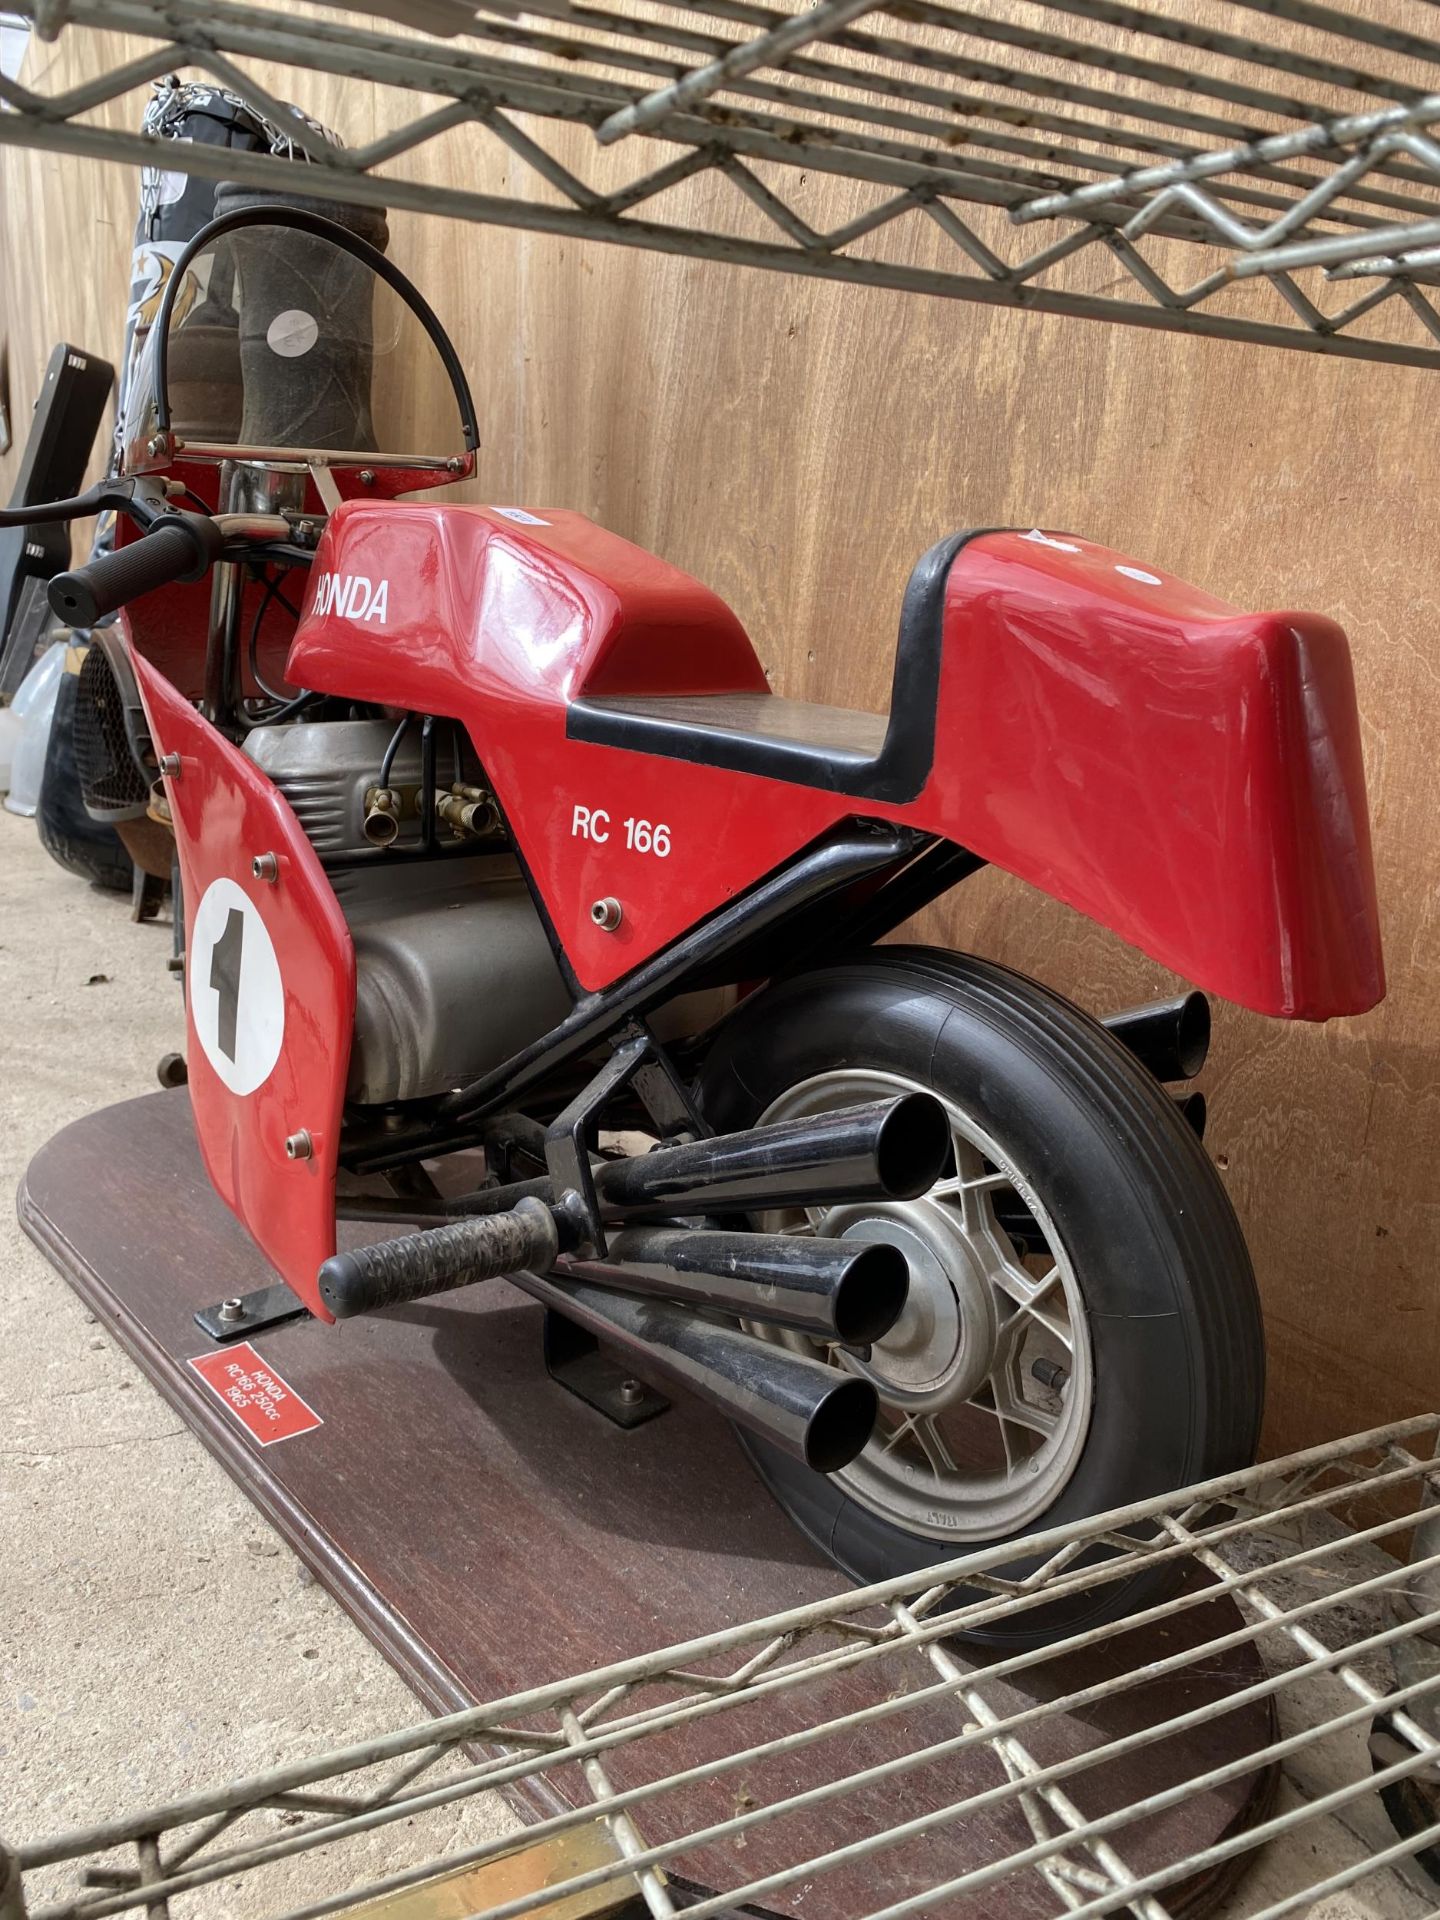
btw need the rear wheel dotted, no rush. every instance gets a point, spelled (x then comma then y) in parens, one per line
(1082, 1329)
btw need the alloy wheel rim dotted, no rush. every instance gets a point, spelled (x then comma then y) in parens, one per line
(986, 1381)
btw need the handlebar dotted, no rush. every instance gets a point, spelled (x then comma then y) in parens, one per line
(180, 546)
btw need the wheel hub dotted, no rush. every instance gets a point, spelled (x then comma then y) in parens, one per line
(943, 1345)
(967, 1447)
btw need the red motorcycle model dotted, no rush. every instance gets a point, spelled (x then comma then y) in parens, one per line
(492, 836)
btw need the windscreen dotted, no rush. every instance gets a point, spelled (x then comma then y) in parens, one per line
(283, 343)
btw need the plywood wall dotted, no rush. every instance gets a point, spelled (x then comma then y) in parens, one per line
(797, 446)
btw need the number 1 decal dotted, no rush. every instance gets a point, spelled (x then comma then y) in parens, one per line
(225, 980)
(237, 998)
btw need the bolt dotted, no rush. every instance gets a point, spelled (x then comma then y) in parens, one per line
(607, 913)
(170, 765)
(454, 464)
(367, 477)
(233, 1308)
(299, 1146)
(155, 445)
(1049, 1373)
(631, 1393)
(266, 866)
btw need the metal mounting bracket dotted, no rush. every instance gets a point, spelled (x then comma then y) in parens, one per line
(575, 1360)
(246, 1313)
(637, 1059)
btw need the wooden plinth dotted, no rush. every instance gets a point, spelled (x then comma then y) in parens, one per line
(489, 1532)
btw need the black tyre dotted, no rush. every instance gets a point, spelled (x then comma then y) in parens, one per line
(1083, 1329)
(82, 846)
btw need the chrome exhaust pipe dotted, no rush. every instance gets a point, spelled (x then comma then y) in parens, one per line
(850, 1291)
(1193, 1112)
(1170, 1037)
(890, 1150)
(820, 1414)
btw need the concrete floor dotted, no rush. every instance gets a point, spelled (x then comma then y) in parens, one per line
(155, 1637)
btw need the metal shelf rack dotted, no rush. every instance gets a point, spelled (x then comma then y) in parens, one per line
(1259, 170)
(1300, 1546)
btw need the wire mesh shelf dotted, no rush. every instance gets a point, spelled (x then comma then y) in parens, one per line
(1261, 170)
(683, 1759)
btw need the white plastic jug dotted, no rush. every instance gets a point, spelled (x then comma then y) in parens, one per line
(33, 708)
(10, 730)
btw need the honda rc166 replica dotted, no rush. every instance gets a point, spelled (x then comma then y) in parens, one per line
(492, 837)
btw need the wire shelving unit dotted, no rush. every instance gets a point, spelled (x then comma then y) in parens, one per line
(1261, 170)
(1299, 1545)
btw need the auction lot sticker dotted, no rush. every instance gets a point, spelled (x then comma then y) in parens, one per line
(265, 1406)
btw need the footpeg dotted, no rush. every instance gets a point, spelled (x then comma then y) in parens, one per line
(419, 1264)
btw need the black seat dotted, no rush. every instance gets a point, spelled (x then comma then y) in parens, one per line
(863, 754)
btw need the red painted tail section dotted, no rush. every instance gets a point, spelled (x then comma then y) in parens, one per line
(1182, 771)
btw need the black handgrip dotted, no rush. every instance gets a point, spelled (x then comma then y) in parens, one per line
(419, 1264)
(180, 547)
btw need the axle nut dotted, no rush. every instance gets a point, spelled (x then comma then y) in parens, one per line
(607, 913)
(299, 1146)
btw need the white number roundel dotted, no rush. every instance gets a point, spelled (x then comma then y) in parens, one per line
(237, 999)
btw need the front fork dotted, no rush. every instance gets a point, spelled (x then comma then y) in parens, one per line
(244, 488)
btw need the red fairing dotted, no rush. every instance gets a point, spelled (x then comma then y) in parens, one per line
(497, 623)
(1185, 773)
(270, 991)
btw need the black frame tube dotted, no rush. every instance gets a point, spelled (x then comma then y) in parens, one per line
(832, 863)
